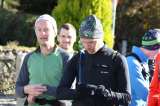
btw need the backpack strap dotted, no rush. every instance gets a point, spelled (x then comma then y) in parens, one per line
(115, 53)
(81, 79)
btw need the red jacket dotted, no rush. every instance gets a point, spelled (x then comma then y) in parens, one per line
(154, 92)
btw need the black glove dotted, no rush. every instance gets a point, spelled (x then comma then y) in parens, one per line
(101, 91)
(84, 90)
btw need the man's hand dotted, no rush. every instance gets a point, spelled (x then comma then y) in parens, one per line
(31, 99)
(35, 90)
(101, 91)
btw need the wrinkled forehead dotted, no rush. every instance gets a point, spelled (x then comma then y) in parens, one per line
(42, 22)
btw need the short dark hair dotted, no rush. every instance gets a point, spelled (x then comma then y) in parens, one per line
(68, 26)
(65, 26)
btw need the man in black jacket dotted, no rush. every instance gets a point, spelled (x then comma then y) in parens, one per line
(101, 73)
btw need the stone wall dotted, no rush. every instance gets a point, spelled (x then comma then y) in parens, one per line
(10, 63)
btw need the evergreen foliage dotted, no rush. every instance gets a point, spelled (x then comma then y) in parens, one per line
(17, 27)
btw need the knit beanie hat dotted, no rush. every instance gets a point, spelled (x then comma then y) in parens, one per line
(151, 39)
(91, 28)
(49, 18)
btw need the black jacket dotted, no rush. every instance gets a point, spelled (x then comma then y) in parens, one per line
(106, 67)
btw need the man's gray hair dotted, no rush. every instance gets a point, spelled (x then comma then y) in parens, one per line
(50, 19)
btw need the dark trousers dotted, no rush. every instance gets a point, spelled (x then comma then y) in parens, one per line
(93, 102)
(43, 101)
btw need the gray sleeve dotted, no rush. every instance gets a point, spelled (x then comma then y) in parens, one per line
(23, 78)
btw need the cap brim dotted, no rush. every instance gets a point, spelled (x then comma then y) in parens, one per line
(153, 47)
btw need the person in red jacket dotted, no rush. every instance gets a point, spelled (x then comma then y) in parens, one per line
(154, 93)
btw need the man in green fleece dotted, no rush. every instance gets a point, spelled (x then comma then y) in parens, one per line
(42, 69)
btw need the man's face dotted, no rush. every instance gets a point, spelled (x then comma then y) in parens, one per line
(153, 53)
(66, 39)
(45, 33)
(91, 45)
